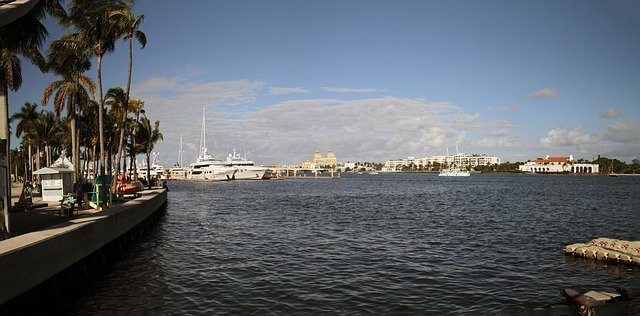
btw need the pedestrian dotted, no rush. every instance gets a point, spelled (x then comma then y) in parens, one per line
(28, 190)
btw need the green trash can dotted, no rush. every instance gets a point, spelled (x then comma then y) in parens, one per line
(101, 192)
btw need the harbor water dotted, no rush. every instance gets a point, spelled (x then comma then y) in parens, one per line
(374, 244)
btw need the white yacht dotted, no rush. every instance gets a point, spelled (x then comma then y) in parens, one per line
(206, 167)
(177, 172)
(156, 171)
(245, 169)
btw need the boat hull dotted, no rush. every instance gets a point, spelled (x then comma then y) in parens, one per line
(249, 173)
(217, 173)
(454, 174)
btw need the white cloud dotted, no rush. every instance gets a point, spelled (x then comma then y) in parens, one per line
(156, 84)
(546, 93)
(627, 132)
(379, 128)
(287, 90)
(493, 143)
(290, 131)
(500, 123)
(561, 136)
(226, 92)
(350, 90)
(199, 93)
(609, 113)
(499, 133)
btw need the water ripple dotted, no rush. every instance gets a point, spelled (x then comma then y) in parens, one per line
(390, 244)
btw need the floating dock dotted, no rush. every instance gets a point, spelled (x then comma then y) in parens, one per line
(607, 249)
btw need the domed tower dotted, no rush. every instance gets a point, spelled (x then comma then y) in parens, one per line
(317, 158)
(331, 158)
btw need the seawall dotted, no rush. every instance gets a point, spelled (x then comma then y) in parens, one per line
(30, 259)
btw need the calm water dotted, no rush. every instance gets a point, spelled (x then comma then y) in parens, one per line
(381, 244)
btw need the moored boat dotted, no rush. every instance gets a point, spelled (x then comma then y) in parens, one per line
(206, 167)
(245, 169)
(177, 172)
(454, 173)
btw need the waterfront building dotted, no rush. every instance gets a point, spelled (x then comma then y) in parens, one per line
(558, 165)
(320, 162)
(56, 180)
(459, 160)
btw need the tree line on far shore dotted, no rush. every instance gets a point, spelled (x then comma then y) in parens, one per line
(606, 165)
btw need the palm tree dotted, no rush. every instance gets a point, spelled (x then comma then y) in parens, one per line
(27, 118)
(46, 129)
(73, 91)
(88, 120)
(116, 99)
(130, 23)
(24, 36)
(98, 33)
(136, 106)
(146, 138)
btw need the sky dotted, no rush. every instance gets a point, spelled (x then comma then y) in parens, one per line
(379, 80)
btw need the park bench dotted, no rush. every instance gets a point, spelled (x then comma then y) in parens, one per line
(67, 206)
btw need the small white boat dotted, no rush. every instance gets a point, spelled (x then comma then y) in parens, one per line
(454, 173)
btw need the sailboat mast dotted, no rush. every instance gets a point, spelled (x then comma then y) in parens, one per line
(202, 136)
(180, 153)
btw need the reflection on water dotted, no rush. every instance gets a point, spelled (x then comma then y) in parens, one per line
(383, 244)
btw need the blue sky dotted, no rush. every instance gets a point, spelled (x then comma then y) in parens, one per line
(378, 80)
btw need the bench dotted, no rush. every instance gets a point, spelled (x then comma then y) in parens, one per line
(67, 206)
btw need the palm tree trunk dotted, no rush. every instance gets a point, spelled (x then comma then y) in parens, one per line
(75, 144)
(134, 160)
(101, 128)
(47, 154)
(149, 170)
(5, 229)
(75, 155)
(30, 177)
(38, 157)
(126, 105)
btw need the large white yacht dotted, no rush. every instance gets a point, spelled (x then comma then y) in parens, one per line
(206, 167)
(155, 172)
(245, 169)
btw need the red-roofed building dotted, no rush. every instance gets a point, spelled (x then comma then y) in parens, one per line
(558, 165)
(555, 160)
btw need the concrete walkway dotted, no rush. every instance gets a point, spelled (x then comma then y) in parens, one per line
(23, 222)
(52, 246)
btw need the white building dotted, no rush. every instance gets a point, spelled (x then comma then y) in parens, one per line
(558, 165)
(458, 160)
(56, 180)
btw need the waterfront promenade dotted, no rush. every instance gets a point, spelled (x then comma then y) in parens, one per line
(29, 221)
(43, 244)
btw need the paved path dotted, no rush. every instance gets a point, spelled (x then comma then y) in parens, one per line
(22, 222)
